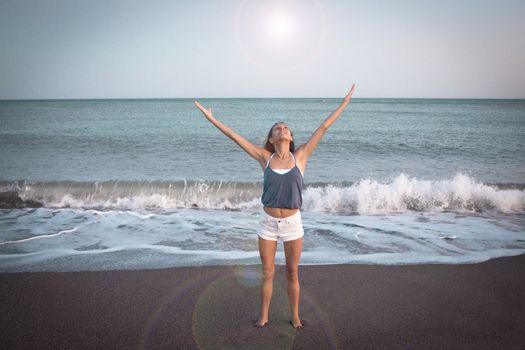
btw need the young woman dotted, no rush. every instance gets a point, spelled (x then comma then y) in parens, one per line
(283, 166)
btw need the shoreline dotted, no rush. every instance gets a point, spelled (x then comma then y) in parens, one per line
(358, 306)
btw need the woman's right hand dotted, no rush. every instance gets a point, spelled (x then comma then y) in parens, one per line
(346, 99)
(207, 112)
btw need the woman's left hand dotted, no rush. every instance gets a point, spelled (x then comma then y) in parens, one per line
(347, 98)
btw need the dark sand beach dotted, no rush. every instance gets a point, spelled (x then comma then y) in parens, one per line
(467, 306)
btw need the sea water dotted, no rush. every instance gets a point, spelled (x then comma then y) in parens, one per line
(149, 183)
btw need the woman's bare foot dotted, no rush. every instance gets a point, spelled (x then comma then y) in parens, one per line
(297, 324)
(261, 323)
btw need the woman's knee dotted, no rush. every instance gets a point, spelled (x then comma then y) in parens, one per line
(268, 272)
(292, 273)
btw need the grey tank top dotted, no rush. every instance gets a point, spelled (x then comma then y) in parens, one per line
(282, 190)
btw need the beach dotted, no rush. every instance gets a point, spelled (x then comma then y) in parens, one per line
(430, 306)
(135, 167)
(111, 237)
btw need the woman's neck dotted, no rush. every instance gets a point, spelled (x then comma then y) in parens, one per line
(282, 149)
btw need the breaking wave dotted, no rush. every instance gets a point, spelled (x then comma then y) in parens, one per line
(367, 196)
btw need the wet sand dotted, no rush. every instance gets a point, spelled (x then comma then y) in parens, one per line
(467, 306)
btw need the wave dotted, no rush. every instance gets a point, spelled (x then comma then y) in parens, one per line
(39, 237)
(367, 196)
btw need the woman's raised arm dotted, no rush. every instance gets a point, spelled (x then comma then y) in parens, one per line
(305, 150)
(256, 152)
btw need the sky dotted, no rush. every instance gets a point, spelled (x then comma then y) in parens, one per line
(51, 49)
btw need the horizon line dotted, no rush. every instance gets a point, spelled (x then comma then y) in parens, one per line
(320, 97)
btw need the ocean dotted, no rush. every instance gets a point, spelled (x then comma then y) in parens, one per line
(150, 183)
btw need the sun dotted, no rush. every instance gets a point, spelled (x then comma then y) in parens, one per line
(279, 26)
(277, 35)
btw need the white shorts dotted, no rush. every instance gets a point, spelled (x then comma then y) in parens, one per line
(284, 229)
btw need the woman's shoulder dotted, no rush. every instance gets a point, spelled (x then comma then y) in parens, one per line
(266, 154)
(298, 154)
(265, 157)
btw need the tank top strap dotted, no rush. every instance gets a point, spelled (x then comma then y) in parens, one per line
(268, 162)
(293, 158)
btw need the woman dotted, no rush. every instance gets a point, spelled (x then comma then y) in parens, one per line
(281, 198)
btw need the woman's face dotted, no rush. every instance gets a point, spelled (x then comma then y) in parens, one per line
(280, 131)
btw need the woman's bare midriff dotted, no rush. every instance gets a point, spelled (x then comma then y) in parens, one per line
(279, 212)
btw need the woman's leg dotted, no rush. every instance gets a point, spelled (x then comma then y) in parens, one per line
(292, 251)
(267, 251)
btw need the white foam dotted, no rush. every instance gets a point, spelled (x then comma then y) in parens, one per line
(367, 196)
(115, 239)
(39, 237)
(405, 194)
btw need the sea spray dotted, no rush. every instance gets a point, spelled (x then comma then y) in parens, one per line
(366, 196)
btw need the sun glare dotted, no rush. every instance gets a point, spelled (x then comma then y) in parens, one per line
(279, 35)
(279, 26)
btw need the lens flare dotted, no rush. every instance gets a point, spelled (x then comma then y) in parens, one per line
(222, 307)
(165, 307)
(248, 275)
